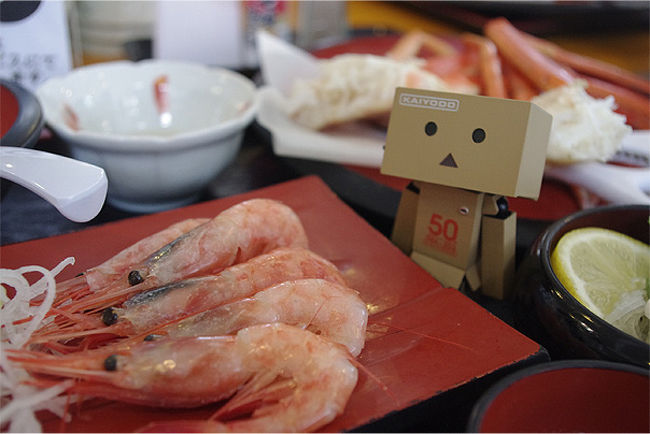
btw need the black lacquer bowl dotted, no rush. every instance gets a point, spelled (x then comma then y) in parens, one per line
(566, 396)
(21, 119)
(549, 314)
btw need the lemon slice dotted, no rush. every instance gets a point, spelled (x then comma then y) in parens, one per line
(600, 266)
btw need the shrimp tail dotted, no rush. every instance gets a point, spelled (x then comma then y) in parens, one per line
(263, 389)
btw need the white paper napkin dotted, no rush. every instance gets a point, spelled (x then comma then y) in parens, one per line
(281, 64)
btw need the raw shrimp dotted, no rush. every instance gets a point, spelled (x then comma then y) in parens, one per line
(238, 234)
(328, 309)
(102, 275)
(155, 307)
(279, 378)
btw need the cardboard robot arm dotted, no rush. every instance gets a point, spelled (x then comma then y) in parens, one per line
(404, 225)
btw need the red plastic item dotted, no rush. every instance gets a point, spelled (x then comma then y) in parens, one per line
(423, 339)
(9, 110)
(572, 399)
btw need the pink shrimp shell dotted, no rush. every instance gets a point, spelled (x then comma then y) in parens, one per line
(295, 380)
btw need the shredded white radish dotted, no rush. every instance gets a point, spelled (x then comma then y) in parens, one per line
(21, 401)
(629, 315)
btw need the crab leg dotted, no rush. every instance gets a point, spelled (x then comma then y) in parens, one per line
(519, 87)
(590, 66)
(517, 48)
(410, 44)
(542, 71)
(490, 65)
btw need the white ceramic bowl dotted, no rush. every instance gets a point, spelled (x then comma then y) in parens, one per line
(155, 158)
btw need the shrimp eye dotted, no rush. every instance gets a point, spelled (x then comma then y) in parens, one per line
(430, 128)
(478, 135)
(109, 316)
(110, 363)
(135, 277)
(149, 338)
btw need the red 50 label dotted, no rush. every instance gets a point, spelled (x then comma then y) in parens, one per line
(442, 234)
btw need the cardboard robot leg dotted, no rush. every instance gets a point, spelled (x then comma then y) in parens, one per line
(448, 275)
(498, 244)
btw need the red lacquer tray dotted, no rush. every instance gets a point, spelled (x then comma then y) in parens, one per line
(423, 339)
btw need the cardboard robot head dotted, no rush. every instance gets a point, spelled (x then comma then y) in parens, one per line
(479, 143)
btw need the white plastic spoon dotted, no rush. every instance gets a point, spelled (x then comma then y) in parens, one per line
(75, 188)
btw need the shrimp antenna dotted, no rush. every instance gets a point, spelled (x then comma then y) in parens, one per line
(71, 335)
(69, 321)
(69, 286)
(42, 367)
(109, 297)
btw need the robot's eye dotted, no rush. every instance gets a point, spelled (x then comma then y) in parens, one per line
(430, 128)
(478, 135)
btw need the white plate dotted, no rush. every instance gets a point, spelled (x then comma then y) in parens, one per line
(281, 64)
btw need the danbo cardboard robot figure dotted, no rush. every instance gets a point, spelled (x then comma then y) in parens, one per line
(464, 154)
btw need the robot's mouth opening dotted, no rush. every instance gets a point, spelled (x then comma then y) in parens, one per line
(449, 161)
